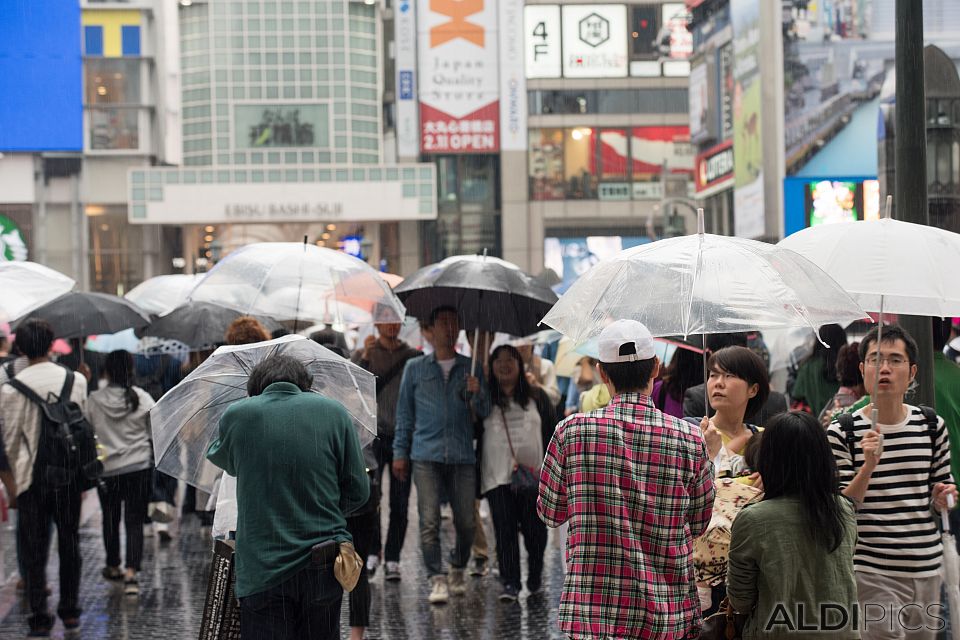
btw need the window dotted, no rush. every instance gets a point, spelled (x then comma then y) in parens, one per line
(673, 100)
(644, 27)
(614, 152)
(112, 81)
(580, 163)
(545, 170)
(114, 129)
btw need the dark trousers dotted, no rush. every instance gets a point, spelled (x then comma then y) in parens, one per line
(307, 605)
(365, 531)
(129, 492)
(399, 504)
(36, 507)
(510, 512)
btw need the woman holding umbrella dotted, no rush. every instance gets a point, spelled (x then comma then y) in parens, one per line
(515, 434)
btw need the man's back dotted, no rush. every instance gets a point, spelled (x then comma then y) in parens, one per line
(299, 469)
(636, 487)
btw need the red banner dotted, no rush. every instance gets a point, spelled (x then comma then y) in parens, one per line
(476, 132)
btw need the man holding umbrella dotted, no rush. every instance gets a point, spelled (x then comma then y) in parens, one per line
(440, 397)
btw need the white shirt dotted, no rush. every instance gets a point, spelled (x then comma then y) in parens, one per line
(447, 366)
(524, 424)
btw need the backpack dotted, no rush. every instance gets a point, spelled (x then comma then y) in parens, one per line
(67, 447)
(845, 420)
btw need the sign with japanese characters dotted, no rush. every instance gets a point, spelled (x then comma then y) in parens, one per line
(459, 83)
(595, 41)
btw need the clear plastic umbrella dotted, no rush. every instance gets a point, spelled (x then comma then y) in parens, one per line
(163, 294)
(28, 285)
(702, 283)
(300, 282)
(185, 421)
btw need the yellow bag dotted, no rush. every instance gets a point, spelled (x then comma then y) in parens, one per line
(710, 551)
(347, 566)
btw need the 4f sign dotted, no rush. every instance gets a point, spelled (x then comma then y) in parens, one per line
(542, 40)
(458, 26)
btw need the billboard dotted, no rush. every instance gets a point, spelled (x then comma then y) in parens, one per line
(405, 40)
(748, 205)
(571, 257)
(41, 77)
(595, 41)
(832, 201)
(459, 88)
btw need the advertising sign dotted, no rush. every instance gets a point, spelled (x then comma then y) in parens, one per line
(541, 24)
(699, 104)
(714, 167)
(726, 91)
(595, 41)
(748, 205)
(273, 125)
(513, 83)
(459, 88)
(405, 39)
(12, 244)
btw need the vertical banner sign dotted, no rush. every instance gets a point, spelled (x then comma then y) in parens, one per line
(405, 37)
(748, 212)
(459, 89)
(541, 24)
(513, 83)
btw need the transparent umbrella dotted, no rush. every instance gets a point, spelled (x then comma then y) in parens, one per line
(162, 294)
(185, 421)
(28, 285)
(301, 282)
(702, 283)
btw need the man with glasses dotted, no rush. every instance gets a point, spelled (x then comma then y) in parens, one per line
(898, 474)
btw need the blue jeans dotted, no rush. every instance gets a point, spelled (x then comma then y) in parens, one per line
(306, 605)
(459, 484)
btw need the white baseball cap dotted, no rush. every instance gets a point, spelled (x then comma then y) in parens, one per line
(624, 332)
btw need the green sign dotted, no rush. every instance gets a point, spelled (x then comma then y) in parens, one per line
(277, 125)
(12, 245)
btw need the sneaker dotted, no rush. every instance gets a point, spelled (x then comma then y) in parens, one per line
(131, 587)
(458, 586)
(71, 628)
(392, 571)
(112, 573)
(480, 567)
(439, 594)
(373, 561)
(509, 593)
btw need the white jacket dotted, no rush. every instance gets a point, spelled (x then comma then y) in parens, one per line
(21, 418)
(123, 434)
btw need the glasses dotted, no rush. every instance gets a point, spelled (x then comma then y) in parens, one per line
(893, 361)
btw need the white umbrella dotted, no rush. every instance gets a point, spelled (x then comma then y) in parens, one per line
(301, 282)
(702, 283)
(185, 420)
(887, 265)
(162, 294)
(28, 285)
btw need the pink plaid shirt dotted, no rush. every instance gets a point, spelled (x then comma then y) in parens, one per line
(636, 487)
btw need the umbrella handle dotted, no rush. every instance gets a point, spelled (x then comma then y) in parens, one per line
(945, 514)
(476, 342)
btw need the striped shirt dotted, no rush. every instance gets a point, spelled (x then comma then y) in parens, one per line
(897, 532)
(636, 487)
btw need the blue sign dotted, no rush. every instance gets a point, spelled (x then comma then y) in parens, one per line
(406, 85)
(41, 77)
(352, 245)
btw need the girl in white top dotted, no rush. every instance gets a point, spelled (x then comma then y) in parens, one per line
(515, 433)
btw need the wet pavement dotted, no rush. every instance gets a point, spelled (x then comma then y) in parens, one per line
(174, 578)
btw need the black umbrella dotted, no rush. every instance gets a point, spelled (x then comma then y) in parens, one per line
(200, 324)
(490, 294)
(78, 315)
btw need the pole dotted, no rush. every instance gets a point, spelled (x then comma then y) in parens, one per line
(911, 165)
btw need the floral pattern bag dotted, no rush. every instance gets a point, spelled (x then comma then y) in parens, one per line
(710, 550)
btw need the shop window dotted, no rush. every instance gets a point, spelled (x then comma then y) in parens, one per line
(114, 129)
(614, 154)
(580, 163)
(545, 171)
(112, 81)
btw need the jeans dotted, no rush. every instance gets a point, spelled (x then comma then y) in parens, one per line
(399, 503)
(129, 492)
(459, 482)
(36, 507)
(307, 605)
(511, 512)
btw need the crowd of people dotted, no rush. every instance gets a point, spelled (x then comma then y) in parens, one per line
(823, 497)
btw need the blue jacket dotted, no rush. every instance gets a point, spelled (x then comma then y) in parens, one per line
(434, 423)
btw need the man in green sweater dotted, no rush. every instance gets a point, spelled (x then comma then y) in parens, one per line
(299, 470)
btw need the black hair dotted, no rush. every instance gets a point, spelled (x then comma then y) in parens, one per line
(751, 450)
(685, 371)
(521, 392)
(835, 337)
(119, 368)
(941, 333)
(745, 364)
(329, 336)
(279, 332)
(796, 461)
(34, 338)
(438, 310)
(278, 369)
(716, 341)
(891, 333)
(848, 365)
(629, 376)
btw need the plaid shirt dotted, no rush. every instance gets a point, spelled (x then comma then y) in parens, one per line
(636, 487)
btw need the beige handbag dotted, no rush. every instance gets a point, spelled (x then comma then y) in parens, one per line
(710, 551)
(347, 566)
